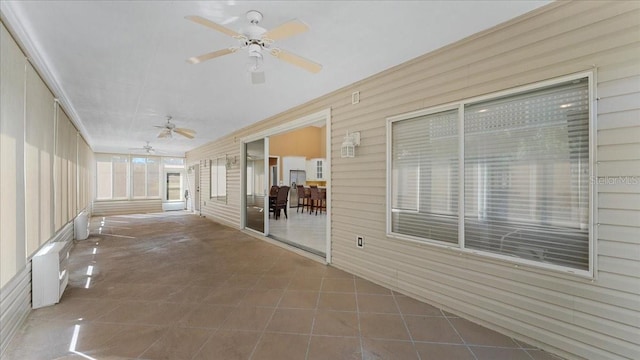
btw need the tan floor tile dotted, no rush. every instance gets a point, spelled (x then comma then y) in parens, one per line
(226, 296)
(332, 272)
(292, 321)
(346, 285)
(388, 350)
(281, 346)
(40, 339)
(443, 351)
(262, 297)
(334, 347)
(299, 299)
(190, 294)
(130, 342)
(228, 345)
(305, 283)
(93, 335)
(145, 313)
(248, 318)
(178, 343)
(433, 329)
(206, 316)
(494, 353)
(410, 306)
(367, 287)
(474, 334)
(383, 326)
(337, 301)
(242, 281)
(273, 282)
(377, 304)
(336, 323)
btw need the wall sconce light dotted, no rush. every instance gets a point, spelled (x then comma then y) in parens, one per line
(348, 149)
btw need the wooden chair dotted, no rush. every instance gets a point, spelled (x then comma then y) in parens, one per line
(281, 201)
(316, 199)
(273, 193)
(303, 198)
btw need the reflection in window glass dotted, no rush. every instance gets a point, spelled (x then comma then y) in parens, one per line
(173, 186)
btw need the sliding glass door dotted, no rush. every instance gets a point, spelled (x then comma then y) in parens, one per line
(256, 165)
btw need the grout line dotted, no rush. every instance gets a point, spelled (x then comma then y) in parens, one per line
(275, 308)
(461, 338)
(358, 316)
(406, 327)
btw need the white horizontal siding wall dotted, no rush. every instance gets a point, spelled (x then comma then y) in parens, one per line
(572, 316)
(123, 207)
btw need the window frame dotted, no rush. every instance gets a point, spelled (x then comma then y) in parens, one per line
(460, 248)
(132, 177)
(216, 163)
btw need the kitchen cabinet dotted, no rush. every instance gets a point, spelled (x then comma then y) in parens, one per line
(317, 169)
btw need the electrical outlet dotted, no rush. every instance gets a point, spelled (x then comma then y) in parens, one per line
(355, 97)
(360, 241)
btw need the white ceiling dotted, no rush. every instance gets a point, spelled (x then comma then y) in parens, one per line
(119, 66)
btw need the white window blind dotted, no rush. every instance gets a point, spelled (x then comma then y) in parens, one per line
(139, 176)
(527, 175)
(424, 196)
(153, 177)
(145, 177)
(218, 178)
(111, 176)
(526, 171)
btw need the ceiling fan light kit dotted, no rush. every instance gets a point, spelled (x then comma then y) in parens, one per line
(255, 39)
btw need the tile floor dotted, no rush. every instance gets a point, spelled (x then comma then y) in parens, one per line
(307, 231)
(176, 286)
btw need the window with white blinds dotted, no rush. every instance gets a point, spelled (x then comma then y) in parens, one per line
(111, 177)
(424, 176)
(145, 177)
(526, 176)
(219, 178)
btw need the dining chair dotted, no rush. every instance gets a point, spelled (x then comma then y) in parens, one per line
(281, 201)
(303, 197)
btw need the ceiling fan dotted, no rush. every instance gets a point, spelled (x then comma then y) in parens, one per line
(170, 128)
(146, 148)
(256, 39)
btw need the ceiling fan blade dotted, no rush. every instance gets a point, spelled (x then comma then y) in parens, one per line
(160, 126)
(164, 134)
(288, 29)
(212, 25)
(188, 133)
(211, 55)
(296, 60)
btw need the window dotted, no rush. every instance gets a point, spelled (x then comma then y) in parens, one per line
(145, 172)
(111, 176)
(525, 175)
(132, 176)
(424, 176)
(219, 178)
